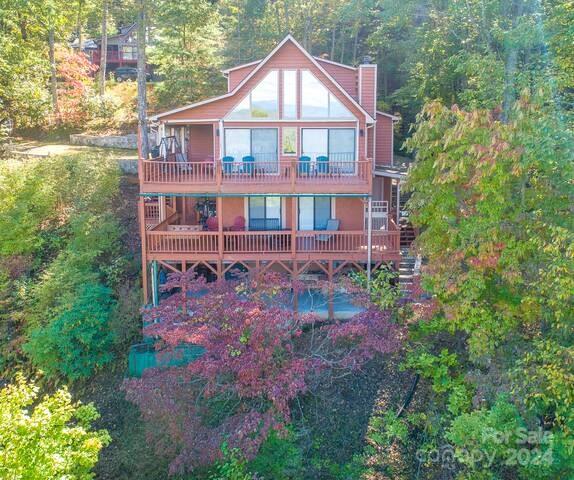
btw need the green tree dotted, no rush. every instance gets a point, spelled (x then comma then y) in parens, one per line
(184, 51)
(79, 341)
(493, 202)
(51, 438)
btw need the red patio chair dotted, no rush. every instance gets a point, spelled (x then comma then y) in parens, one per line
(238, 224)
(212, 224)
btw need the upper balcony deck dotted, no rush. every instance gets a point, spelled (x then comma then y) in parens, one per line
(294, 176)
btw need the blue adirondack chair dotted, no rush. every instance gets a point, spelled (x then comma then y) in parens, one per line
(304, 167)
(322, 164)
(228, 164)
(248, 164)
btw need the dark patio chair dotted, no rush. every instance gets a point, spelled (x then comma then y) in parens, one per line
(227, 164)
(248, 164)
(304, 166)
(332, 226)
(322, 164)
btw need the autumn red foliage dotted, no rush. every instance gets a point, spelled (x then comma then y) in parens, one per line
(74, 73)
(259, 356)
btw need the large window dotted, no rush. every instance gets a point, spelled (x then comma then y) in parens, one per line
(129, 52)
(260, 143)
(337, 144)
(261, 102)
(265, 213)
(289, 94)
(314, 212)
(317, 101)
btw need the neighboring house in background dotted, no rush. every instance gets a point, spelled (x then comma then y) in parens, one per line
(121, 52)
(291, 170)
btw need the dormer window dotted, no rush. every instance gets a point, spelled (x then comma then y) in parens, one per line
(262, 102)
(318, 102)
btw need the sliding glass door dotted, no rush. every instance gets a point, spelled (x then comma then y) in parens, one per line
(260, 143)
(337, 144)
(314, 212)
(265, 213)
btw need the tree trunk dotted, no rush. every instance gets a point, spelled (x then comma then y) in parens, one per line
(333, 38)
(142, 100)
(53, 79)
(79, 24)
(104, 48)
(511, 49)
(356, 42)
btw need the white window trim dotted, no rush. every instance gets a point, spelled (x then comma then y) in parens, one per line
(356, 128)
(329, 94)
(282, 93)
(283, 211)
(333, 209)
(248, 95)
(296, 142)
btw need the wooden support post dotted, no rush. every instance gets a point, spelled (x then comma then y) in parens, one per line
(293, 228)
(295, 274)
(219, 213)
(369, 241)
(331, 290)
(141, 215)
(154, 283)
(162, 211)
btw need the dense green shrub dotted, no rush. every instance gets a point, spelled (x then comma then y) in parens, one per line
(79, 341)
(279, 458)
(59, 219)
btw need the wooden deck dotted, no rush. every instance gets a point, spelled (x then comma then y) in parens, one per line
(160, 176)
(271, 245)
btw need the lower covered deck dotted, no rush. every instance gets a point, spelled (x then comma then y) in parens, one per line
(296, 235)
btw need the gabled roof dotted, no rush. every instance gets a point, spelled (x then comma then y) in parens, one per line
(243, 65)
(392, 117)
(255, 62)
(326, 60)
(288, 38)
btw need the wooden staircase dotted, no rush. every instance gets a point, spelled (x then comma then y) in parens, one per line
(408, 233)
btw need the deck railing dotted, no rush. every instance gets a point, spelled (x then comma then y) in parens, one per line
(294, 171)
(254, 172)
(159, 171)
(182, 242)
(265, 242)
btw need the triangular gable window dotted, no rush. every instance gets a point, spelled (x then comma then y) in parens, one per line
(318, 102)
(261, 102)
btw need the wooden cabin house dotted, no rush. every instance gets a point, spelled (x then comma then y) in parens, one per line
(290, 170)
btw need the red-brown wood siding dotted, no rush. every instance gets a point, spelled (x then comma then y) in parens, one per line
(350, 212)
(368, 88)
(384, 140)
(370, 142)
(287, 57)
(237, 76)
(345, 77)
(200, 143)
